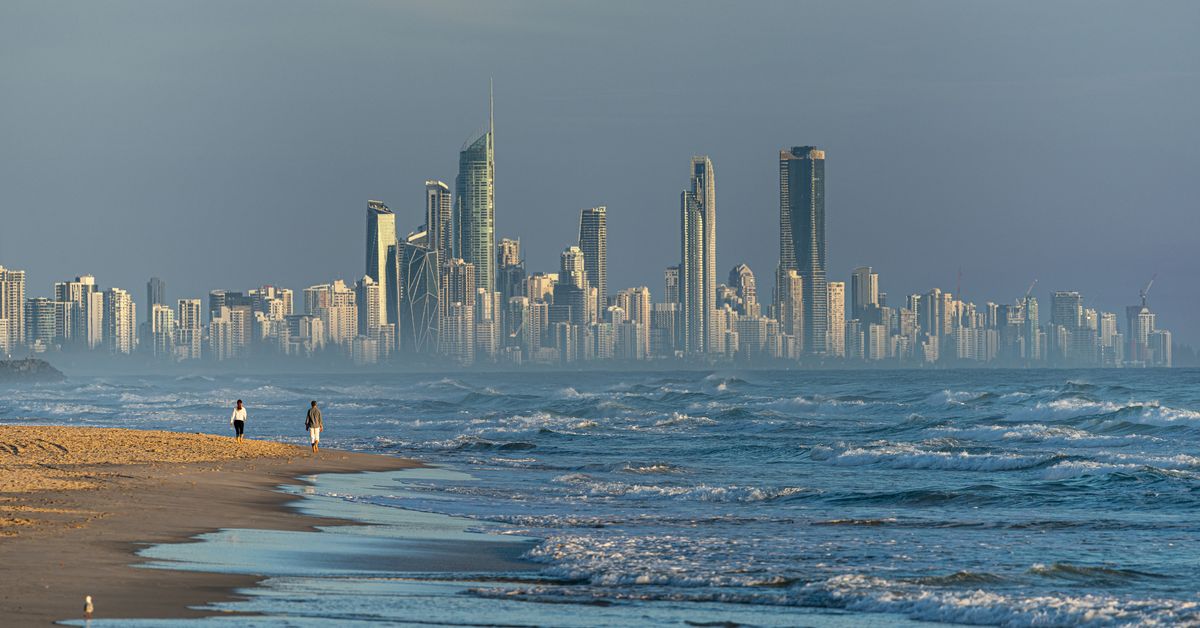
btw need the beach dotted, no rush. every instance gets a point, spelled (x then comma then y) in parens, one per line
(77, 502)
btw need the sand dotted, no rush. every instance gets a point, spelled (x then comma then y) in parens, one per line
(75, 503)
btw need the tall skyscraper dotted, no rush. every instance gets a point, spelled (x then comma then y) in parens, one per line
(439, 218)
(837, 319)
(698, 255)
(12, 306)
(119, 315)
(381, 233)
(593, 239)
(475, 206)
(864, 291)
(802, 237)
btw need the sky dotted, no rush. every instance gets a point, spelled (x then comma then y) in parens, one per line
(234, 144)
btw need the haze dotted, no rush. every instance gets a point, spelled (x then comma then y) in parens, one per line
(230, 144)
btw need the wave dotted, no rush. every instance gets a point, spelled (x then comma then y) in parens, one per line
(1040, 433)
(1103, 576)
(1106, 414)
(677, 418)
(1070, 469)
(592, 487)
(911, 457)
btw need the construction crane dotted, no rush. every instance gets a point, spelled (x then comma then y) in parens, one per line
(1030, 290)
(1146, 290)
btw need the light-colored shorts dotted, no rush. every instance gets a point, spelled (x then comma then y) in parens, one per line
(314, 434)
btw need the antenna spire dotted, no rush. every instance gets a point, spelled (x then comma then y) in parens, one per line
(491, 107)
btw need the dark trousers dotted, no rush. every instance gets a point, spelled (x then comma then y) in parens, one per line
(239, 427)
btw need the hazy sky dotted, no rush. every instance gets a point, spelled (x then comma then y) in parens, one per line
(233, 144)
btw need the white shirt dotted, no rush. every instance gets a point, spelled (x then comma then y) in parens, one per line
(239, 414)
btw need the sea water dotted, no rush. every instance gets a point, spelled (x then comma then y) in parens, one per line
(757, 497)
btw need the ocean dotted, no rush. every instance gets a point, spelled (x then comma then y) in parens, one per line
(719, 498)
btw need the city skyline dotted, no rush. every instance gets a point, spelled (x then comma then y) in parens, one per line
(238, 151)
(416, 302)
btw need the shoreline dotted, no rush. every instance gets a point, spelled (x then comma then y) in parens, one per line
(73, 517)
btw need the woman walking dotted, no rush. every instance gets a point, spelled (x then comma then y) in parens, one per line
(238, 420)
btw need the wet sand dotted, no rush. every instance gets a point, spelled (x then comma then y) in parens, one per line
(76, 503)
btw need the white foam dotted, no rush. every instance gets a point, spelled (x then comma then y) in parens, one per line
(588, 486)
(903, 456)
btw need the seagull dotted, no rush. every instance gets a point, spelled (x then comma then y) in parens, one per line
(87, 606)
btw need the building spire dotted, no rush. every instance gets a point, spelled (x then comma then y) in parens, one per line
(491, 118)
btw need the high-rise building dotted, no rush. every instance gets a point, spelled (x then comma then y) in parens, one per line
(837, 319)
(791, 295)
(439, 212)
(1066, 309)
(1139, 325)
(12, 306)
(381, 233)
(40, 321)
(864, 291)
(120, 315)
(572, 268)
(77, 293)
(698, 256)
(187, 317)
(162, 331)
(802, 237)
(510, 272)
(156, 294)
(593, 240)
(419, 311)
(671, 285)
(457, 328)
(368, 294)
(508, 253)
(741, 279)
(475, 206)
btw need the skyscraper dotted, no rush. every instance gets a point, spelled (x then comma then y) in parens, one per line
(837, 318)
(593, 240)
(156, 294)
(864, 291)
(671, 285)
(119, 315)
(439, 211)
(698, 255)
(419, 311)
(741, 278)
(1066, 309)
(802, 237)
(475, 206)
(510, 272)
(12, 306)
(381, 233)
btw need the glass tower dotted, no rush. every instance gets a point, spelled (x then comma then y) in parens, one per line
(698, 256)
(802, 238)
(381, 233)
(593, 239)
(475, 208)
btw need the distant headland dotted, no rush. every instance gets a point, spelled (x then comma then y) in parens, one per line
(29, 370)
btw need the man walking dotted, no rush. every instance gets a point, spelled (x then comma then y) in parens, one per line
(238, 420)
(314, 425)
